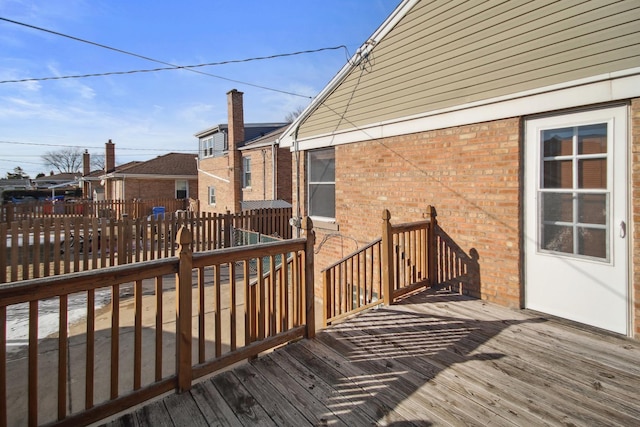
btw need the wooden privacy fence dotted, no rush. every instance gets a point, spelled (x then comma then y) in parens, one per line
(147, 329)
(109, 209)
(41, 247)
(400, 262)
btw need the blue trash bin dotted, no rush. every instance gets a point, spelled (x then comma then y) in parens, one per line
(158, 212)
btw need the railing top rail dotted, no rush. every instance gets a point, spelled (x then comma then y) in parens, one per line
(352, 254)
(52, 286)
(410, 226)
(240, 253)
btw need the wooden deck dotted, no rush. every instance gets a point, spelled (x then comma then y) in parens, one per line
(429, 360)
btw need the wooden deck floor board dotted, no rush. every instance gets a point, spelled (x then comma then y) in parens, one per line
(590, 372)
(432, 359)
(242, 402)
(214, 408)
(453, 392)
(422, 394)
(300, 395)
(358, 389)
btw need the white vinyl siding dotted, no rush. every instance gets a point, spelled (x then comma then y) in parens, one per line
(443, 54)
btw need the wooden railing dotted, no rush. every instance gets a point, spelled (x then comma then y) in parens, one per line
(41, 247)
(247, 300)
(402, 261)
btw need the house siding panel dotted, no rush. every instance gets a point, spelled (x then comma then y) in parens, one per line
(446, 54)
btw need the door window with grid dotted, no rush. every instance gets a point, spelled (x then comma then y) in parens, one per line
(574, 194)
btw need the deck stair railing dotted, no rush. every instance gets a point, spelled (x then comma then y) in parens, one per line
(162, 324)
(403, 260)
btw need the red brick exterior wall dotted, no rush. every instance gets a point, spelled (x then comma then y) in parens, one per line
(220, 167)
(471, 174)
(634, 226)
(262, 174)
(148, 189)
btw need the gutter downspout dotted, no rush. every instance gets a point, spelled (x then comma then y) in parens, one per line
(273, 168)
(296, 150)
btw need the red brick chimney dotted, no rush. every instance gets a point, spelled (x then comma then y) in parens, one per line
(109, 166)
(235, 137)
(86, 163)
(110, 157)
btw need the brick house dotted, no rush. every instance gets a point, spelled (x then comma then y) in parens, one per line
(519, 122)
(172, 176)
(240, 162)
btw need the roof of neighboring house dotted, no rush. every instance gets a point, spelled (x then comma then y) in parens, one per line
(263, 204)
(13, 183)
(58, 180)
(264, 140)
(174, 164)
(251, 130)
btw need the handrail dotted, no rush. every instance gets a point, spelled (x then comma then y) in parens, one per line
(352, 254)
(403, 260)
(276, 309)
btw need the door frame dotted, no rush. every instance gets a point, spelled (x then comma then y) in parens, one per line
(528, 202)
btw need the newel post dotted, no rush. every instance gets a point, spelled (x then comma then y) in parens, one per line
(227, 230)
(183, 310)
(387, 258)
(433, 246)
(307, 226)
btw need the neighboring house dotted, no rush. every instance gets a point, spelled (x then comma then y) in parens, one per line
(15, 184)
(519, 122)
(172, 175)
(239, 162)
(61, 181)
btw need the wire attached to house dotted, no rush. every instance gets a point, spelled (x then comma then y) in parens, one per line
(170, 65)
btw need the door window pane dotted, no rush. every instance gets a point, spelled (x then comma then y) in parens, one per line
(592, 139)
(558, 174)
(592, 242)
(592, 173)
(558, 142)
(557, 207)
(592, 209)
(557, 238)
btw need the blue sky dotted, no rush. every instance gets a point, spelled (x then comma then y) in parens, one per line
(150, 114)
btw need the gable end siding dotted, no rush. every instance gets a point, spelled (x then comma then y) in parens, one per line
(445, 54)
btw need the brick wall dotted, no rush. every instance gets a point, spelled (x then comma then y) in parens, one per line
(152, 188)
(218, 166)
(471, 174)
(634, 226)
(261, 174)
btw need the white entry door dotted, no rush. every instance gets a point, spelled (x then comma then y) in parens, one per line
(576, 250)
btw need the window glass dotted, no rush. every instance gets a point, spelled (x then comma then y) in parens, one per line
(182, 189)
(246, 172)
(322, 186)
(212, 195)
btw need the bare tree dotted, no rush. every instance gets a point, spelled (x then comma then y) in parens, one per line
(97, 161)
(292, 115)
(67, 160)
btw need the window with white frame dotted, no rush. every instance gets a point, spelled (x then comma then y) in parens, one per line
(215, 145)
(322, 183)
(212, 195)
(246, 172)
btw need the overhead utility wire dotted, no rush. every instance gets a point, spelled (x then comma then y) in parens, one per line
(187, 67)
(173, 66)
(89, 146)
